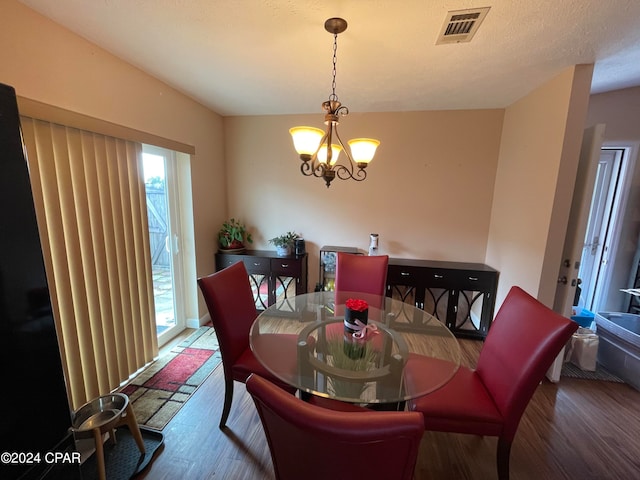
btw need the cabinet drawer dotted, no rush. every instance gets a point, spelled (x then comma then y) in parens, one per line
(405, 275)
(473, 280)
(290, 267)
(259, 265)
(442, 278)
(226, 260)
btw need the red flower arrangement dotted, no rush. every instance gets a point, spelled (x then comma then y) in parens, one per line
(356, 304)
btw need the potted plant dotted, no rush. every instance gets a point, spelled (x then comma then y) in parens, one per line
(233, 234)
(284, 243)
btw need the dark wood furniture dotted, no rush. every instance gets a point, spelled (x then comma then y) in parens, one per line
(461, 295)
(271, 277)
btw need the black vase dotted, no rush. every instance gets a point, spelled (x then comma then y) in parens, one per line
(354, 347)
(350, 317)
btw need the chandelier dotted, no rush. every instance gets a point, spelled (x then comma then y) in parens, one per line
(319, 150)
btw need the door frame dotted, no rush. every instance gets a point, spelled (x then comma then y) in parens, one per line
(614, 231)
(603, 210)
(592, 141)
(173, 241)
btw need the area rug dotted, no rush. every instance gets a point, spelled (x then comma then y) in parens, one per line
(160, 390)
(573, 371)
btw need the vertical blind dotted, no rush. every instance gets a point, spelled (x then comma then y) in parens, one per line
(90, 201)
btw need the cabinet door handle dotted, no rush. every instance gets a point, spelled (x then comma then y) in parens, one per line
(257, 264)
(405, 274)
(473, 278)
(284, 265)
(438, 276)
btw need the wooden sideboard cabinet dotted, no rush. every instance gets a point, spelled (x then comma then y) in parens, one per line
(461, 295)
(271, 277)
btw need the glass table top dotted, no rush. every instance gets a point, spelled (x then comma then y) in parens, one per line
(403, 353)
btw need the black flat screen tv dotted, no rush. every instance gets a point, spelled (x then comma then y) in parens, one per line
(34, 410)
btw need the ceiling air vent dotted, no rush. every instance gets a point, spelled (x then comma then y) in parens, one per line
(461, 25)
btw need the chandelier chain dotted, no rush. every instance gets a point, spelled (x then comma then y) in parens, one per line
(319, 150)
(335, 61)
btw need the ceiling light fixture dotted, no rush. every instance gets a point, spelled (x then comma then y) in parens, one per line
(319, 150)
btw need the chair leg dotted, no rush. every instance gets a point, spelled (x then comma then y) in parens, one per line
(504, 450)
(228, 397)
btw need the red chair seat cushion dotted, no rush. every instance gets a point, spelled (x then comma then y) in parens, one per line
(247, 363)
(426, 374)
(462, 406)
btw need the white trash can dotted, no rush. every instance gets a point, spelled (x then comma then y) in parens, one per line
(582, 349)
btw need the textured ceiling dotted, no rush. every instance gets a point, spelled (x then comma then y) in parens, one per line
(257, 57)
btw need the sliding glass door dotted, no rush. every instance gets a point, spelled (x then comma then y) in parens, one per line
(164, 227)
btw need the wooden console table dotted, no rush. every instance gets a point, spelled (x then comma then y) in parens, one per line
(461, 295)
(272, 278)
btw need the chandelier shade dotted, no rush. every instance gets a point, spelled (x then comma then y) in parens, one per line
(306, 140)
(320, 150)
(335, 153)
(363, 149)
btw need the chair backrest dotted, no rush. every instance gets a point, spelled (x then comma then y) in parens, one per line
(363, 274)
(311, 442)
(229, 299)
(523, 341)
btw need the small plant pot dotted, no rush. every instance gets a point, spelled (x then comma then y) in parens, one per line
(234, 246)
(283, 251)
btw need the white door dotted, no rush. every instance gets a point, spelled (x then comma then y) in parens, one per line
(596, 244)
(166, 262)
(576, 228)
(578, 219)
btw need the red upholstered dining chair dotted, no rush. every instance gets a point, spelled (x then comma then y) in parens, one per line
(362, 274)
(367, 276)
(523, 341)
(310, 442)
(229, 299)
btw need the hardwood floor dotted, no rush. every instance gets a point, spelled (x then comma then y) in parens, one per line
(576, 429)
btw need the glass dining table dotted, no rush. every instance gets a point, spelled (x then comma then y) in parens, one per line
(402, 353)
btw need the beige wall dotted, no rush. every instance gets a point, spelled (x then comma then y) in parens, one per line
(534, 184)
(45, 62)
(428, 193)
(490, 186)
(620, 112)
